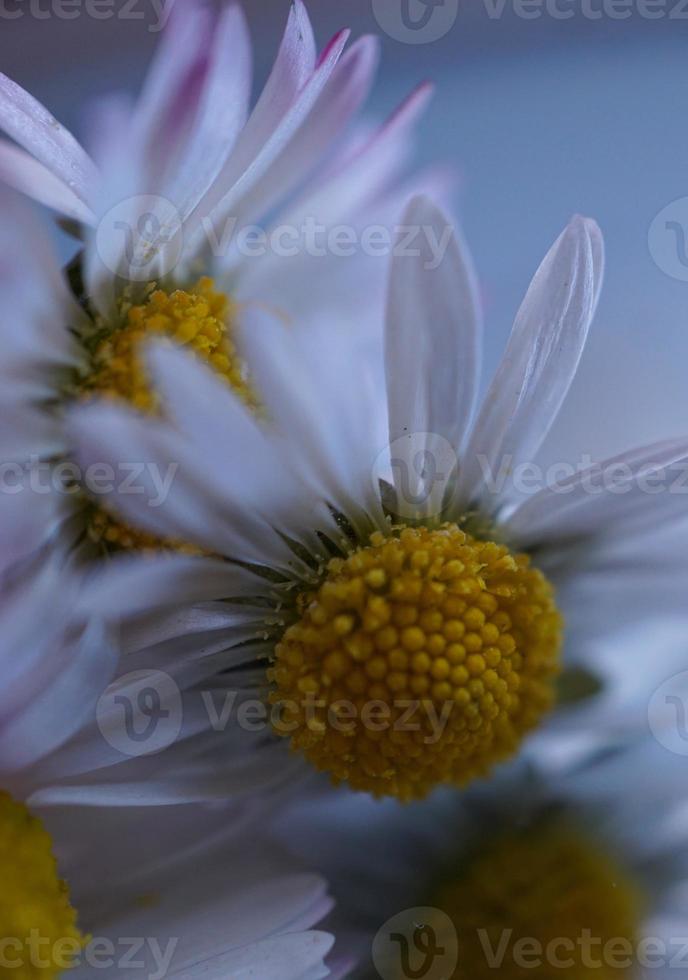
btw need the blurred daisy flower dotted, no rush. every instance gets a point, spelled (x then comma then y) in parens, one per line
(405, 623)
(99, 715)
(525, 876)
(96, 892)
(89, 866)
(191, 209)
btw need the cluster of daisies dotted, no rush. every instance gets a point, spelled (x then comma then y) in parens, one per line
(292, 684)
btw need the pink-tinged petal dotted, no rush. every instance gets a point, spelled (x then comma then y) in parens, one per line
(433, 330)
(272, 125)
(222, 112)
(295, 63)
(174, 83)
(341, 99)
(20, 170)
(33, 127)
(388, 148)
(360, 190)
(539, 363)
(294, 66)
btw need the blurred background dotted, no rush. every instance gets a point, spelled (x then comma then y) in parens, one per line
(542, 114)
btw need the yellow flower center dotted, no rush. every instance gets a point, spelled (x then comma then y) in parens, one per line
(200, 319)
(423, 658)
(549, 903)
(39, 937)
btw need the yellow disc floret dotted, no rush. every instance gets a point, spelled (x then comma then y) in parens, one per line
(550, 901)
(423, 658)
(200, 319)
(37, 923)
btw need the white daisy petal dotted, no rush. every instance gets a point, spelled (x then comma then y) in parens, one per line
(34, 128)
(592, 503)
(297, 957)
(27, 430)
(159, 581)
(20, 170)
(256, 922)
(47, 721)
(116, 438)
(27, 518)
(332, 432)
(539, 364)
(123, 181)
(432, 332)
(32, 292)
(193, 394)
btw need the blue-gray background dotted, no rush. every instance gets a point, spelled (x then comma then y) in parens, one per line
(541, 117)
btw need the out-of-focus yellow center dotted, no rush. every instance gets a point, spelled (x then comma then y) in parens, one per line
(549, 903)
(423, 658)
(200, 319)
(38, 926)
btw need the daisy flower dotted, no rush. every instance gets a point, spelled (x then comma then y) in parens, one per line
(96, 892)
(97, 715)
(410, 619)
(191, 208)
(576, 875)
(204, 890)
